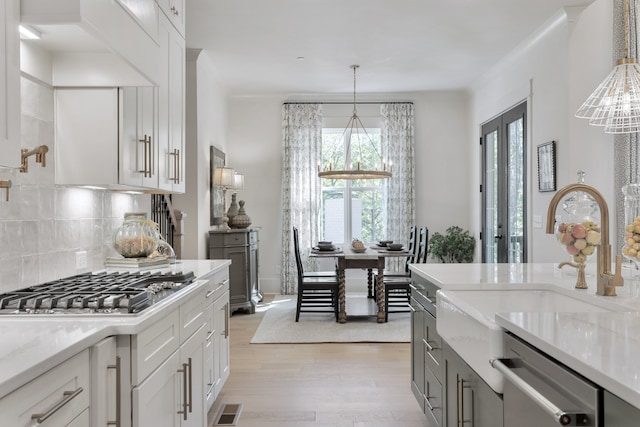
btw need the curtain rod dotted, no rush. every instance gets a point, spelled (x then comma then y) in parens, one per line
(350, 102)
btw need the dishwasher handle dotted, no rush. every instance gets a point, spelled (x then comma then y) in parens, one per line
(564, 418)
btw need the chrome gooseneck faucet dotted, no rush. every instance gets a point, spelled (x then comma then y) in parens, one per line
(607, 281)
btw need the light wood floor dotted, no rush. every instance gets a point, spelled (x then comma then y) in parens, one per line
(318, 385)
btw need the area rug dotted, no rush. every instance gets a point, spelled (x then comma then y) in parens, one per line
(278, 326)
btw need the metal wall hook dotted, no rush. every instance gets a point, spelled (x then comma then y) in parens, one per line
(40, 153)
(6, 184)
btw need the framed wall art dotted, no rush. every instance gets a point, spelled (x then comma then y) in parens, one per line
(547, 166)
(218, 159)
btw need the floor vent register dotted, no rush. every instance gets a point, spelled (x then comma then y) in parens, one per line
(229, 415)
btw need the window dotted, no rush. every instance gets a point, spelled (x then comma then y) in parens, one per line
(352, 208)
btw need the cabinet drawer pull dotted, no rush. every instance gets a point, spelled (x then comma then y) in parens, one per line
(430, 348)
(428, 402)
(561, 416)
(68, 396)
(117, 422)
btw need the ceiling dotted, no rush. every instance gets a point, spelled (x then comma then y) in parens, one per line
(400, 45)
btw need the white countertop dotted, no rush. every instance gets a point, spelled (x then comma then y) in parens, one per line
(602, 346)
(31, 345)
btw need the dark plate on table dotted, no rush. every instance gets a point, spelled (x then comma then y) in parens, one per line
(325, 248)
(384, 243)
(395, 247)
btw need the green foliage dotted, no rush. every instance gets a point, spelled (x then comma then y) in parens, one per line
(456, 245)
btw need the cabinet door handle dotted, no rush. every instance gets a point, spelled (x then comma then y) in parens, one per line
(185, 391)
(460, 386)
(145, 155)
(190, 365)
(226, 320)
(150, 157)
(67, 397)
(117, 366)
(176, 165)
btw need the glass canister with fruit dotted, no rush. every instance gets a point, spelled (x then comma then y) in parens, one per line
(579, 230)
(137, 237)
(631, 248)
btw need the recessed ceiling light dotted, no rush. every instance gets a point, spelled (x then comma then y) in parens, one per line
(300, 58)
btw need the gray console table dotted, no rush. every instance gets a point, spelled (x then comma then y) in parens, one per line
(241, 247)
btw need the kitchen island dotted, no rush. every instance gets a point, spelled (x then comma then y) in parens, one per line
(593, 335)
(188, 320)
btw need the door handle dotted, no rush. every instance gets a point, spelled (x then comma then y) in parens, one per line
(498, 237)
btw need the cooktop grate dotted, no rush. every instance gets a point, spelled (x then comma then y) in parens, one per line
(95, 293)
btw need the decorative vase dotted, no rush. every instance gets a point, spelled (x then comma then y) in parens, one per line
(137, 237)
(233, 208)
(241, 220)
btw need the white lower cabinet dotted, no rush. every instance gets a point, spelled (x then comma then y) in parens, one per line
(105, 383)
(216, 368)
(60, 397)
(173, 395)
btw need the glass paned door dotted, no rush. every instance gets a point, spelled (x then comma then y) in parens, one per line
(504, 187)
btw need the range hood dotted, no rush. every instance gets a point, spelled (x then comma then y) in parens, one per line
(93, 42)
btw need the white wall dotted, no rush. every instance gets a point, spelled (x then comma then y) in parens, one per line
(255, 149)
(206, 120)
(554, 71)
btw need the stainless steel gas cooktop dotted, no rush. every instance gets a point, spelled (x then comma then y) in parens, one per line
(102, 293)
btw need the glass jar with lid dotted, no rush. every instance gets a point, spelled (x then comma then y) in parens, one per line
(578, 230)
(137, 237)
(631, 248)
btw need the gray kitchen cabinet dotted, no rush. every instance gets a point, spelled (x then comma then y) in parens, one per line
(427, 373)
(469, 400)
(618, 413)
(241, 247)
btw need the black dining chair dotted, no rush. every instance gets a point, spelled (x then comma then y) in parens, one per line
(410, 259)
(397, 289)
(316, 294)
(322, 273)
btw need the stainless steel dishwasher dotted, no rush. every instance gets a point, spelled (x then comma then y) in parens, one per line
(539, 391)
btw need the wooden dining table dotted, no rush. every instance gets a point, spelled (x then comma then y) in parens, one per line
(373, 258)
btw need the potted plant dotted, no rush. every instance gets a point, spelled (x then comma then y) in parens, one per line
(456, 245)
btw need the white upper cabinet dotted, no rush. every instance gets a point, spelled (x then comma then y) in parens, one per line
(97, 42)
(174, 10)
(171, 108)
(106, 137)
(9, 84)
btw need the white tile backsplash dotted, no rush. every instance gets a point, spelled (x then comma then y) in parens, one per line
(43, 226)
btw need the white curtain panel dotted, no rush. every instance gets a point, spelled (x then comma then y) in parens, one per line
(301, 187)
(397, 123)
